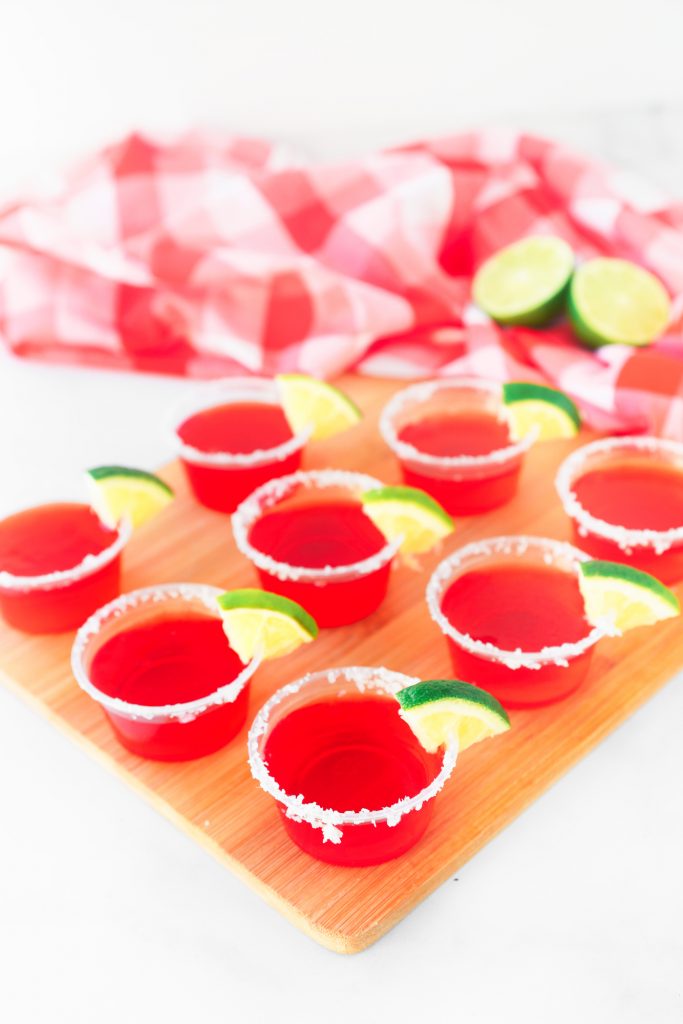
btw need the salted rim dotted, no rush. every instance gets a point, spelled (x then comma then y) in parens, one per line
(422, 392)
(325, 818)
(624, 537)
(226, 391)
(183, 712)
(559, 654)
(63, 577)
(270, 493)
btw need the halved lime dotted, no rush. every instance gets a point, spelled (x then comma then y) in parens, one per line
(121, 491)
(534, 406)
(256, 621)
(308, 402)
(525, 283)
(617, 302)
(624, 597)
(444, 710)
(409, 513)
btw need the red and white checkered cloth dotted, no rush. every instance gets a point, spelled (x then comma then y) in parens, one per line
(208, 256)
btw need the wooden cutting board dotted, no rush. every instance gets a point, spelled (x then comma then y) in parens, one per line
(215, 799)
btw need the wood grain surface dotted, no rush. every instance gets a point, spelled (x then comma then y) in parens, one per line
(215, 799)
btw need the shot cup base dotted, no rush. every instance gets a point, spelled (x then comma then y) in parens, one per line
(338, 603)
(182, 741)
(363, 845)
(64, 608)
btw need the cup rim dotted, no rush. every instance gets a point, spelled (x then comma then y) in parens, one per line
(328, 819)
(88, 565)
(273, 491)
(226, 391)
(558, 654)
(422, 391)
(624, 537)
(184, 711)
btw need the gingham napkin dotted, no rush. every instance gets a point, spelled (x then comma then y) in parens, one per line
(207, 256)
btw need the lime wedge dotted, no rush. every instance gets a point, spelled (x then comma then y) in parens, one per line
(120, 491)
(445, 710)
(623, 597)
(408, 513)
(525, 282)
(256, 621)
(617, 302)
(536, 407)
(308, 402)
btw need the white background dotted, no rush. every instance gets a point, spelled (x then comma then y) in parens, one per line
(107, 913)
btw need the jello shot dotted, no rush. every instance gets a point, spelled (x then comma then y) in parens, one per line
(232, 436)
(237, 433)
(452, 438)
(310, 540)
(624, 496)
(58, 563)
(514, 618)
(159, 664)
(352, 783)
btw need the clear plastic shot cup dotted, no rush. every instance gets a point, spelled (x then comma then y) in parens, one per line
(262, 445)
(351, 782)
(60, 600)
(624, 497)
(309, 540)
(139, 654)
(526, 590)
(452, 440)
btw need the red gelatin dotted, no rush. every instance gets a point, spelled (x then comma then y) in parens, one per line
(475, 433)
(347, 754)
(639, 496)
(634, 494)
(353, 785)
(171, 661)
(526, 607)
(465, 433)
(45, 585)
(236, 429)
(452, 439)
(513, 617)
(319, 534)
(159, 663)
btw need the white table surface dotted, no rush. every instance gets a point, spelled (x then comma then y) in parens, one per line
(107, 912)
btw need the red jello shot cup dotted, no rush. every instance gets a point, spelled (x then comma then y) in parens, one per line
(624, 497)
(451, 439)
(231, 436)
(352, 784)
(140, 654)
(309, 540)
(59, 600)
(523, 589)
